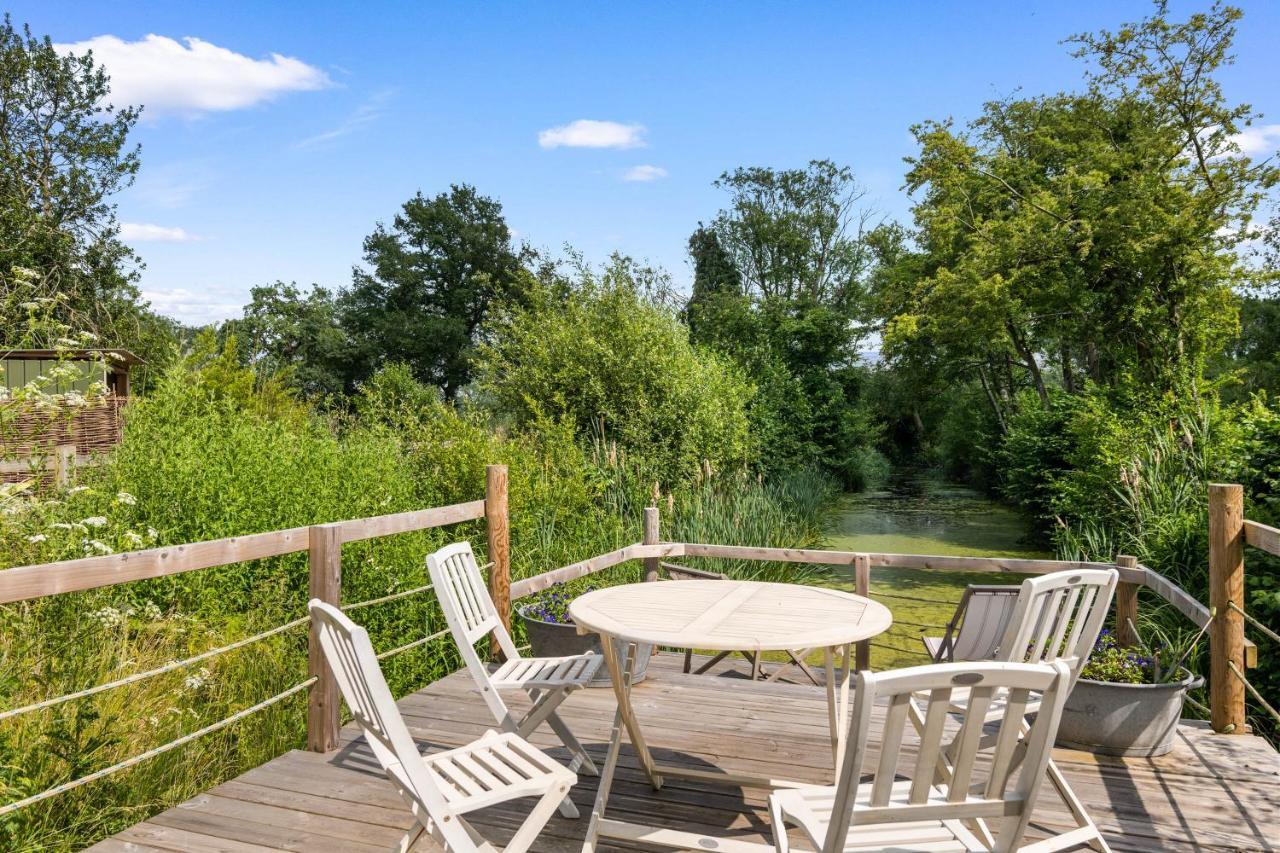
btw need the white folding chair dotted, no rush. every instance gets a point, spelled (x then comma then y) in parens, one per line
(440, 788)
(1057, 618)
(921, 812)
(977, 626)
(469, 610)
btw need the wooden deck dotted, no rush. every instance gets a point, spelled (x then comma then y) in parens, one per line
(1211, 793)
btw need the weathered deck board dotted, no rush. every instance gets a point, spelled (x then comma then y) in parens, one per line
(1211, 793)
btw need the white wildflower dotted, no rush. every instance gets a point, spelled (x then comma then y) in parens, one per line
(61, 525)
(125, 498)
(98, 545)
(152, 534)
(132, 540)
(39, 537)
(75, 490)
(95, 521)
(151, 611)
(108, 617)
(196, 680)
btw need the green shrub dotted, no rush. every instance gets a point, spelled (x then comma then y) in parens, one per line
(602, 357)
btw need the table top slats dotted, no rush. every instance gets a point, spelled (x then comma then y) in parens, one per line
(730, 615)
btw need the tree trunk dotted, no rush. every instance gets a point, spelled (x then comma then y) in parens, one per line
(1068, 376)
(991, 398)
(919, 424)
(1092, 362)
(1028, 360)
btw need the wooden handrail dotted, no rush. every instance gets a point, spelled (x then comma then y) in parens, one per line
(1262, 536)
(37, 581)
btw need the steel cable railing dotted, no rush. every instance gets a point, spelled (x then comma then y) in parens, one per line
(1254, 622)
(160, 670)
(1253, 691)
(186, 662)
(152, 753)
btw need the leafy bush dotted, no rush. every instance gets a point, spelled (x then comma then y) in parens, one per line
(602, 357)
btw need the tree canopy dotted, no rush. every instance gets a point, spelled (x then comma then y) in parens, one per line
(431, 278)
(64, 154)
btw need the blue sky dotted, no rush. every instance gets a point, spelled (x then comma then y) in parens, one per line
(274, 141)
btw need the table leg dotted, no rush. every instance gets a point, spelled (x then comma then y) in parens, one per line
(606, 783)
(620, 673)
(837, 699)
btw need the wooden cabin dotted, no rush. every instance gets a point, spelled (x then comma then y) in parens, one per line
(47, 444)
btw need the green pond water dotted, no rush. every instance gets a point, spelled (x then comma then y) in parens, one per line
(916, 514)
(920, 515)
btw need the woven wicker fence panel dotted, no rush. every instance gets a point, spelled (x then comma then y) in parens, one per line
(95, 428)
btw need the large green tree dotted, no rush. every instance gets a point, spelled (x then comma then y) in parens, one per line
(295, 335)
(64, 154)
(1091, 236)
(430, 280)
(778, 285)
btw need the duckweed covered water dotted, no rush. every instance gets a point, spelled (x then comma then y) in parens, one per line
(917, 514)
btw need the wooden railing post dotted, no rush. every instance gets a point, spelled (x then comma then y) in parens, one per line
(651, 533)
(324, 542)
(1126, 604)
(497, 524)
(64, 463)
(1226, 584)
(862, 586)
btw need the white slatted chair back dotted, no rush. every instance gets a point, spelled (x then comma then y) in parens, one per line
(991, 794)
(1058, 617)
(464, 598)
(350, 656)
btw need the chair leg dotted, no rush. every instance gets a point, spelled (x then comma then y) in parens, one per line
(688, 660)
(1060, 784)
(715, 660)
(781, 843)
(410, 838)
(537, 819)
(581, 760)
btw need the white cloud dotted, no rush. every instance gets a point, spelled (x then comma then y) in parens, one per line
(367, 113)
(166, 76)
(1261, 140)
(589, 133)
(644, 173)
(207, 306)
(139, 232)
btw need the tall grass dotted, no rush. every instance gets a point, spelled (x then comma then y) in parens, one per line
(1162, 518)
(743, 510)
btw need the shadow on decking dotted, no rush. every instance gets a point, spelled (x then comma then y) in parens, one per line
(1212, 793)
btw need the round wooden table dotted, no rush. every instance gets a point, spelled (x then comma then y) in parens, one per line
(717, 615)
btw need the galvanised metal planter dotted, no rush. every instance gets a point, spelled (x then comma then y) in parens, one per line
(553, 639)
(1108, 718)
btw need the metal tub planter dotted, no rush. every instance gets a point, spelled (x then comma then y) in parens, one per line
(1110, 718)
(554, 639)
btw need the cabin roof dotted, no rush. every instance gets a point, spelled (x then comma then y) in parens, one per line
(114, 355)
